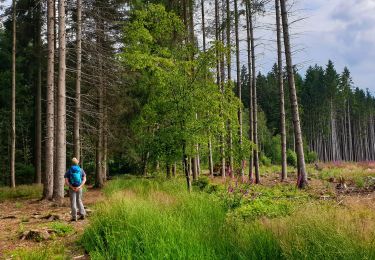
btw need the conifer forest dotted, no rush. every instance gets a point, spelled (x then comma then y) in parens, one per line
(201, 129)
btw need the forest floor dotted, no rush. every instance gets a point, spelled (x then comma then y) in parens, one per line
(50, 222)
(349, 186)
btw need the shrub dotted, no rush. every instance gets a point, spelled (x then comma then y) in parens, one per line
(201, 183)
(61, 229)
(264, 208)
(291, 158)
(311, 157)
(273, 150)
(264, 160)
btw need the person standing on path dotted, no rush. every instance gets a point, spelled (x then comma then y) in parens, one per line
(75, 178)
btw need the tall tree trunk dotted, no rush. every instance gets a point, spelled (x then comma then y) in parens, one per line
(238, 68)
(168, 168)
(50, 111)
(186, 166)
(222, 147)
(194, 168)
(174, 169)
(13, 128)
(198, 161)
(77, 114)
(203, 25)
(105, 147)
(99, 144)
(302, 179)
(210, 162)
(281, 89)
(58, 188)
(229, 72)
(145, 163)
(350, 135)
(255, 102)
(250, 83)
(38, 106)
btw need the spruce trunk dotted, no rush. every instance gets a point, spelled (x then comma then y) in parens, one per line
(58, 185)
(13, 112)
(281, 90)
(50, 110)
(302, 178)
(77, 114)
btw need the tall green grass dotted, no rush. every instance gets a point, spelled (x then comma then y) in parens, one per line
(153, 221)
(158, 219)
(21, 192)
(323, 231)
(54, 251)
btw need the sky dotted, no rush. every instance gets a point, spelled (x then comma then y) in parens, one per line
(340, 30)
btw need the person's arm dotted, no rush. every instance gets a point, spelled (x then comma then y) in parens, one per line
(83, 180)
(68, 184)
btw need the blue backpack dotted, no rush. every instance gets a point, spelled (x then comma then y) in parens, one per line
(75, 176)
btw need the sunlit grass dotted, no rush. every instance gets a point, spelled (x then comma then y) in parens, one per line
(158, 219)
(21, 192)
(165, 222)
(54, 251)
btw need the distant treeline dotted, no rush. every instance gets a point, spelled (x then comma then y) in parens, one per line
(337, 117)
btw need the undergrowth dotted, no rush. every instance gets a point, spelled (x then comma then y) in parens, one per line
(21, 192)
(53, 251)
(158, 219)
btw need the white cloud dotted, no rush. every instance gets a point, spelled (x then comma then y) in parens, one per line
(343, 31)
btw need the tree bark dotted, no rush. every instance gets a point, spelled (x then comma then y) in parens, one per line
(168, 168)
(77, 115)
(99, 144)
(186, 166)
(222, 148)
(203, 26)
(250, 83)
(194, 168)
(58, 188)
(38, 106)
(302, 179)
(255, 102)
(174, 169)
(210, 162)
(281, 89)
(13, 123)
(50, 111)
(238, 68)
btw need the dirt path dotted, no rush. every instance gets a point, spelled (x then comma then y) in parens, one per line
(18, 216)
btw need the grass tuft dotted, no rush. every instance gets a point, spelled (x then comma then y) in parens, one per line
(21, 192)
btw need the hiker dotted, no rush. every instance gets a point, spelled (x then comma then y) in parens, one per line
(75, 178)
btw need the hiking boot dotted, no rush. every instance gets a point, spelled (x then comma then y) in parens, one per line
(82, 217)
(73, 219)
